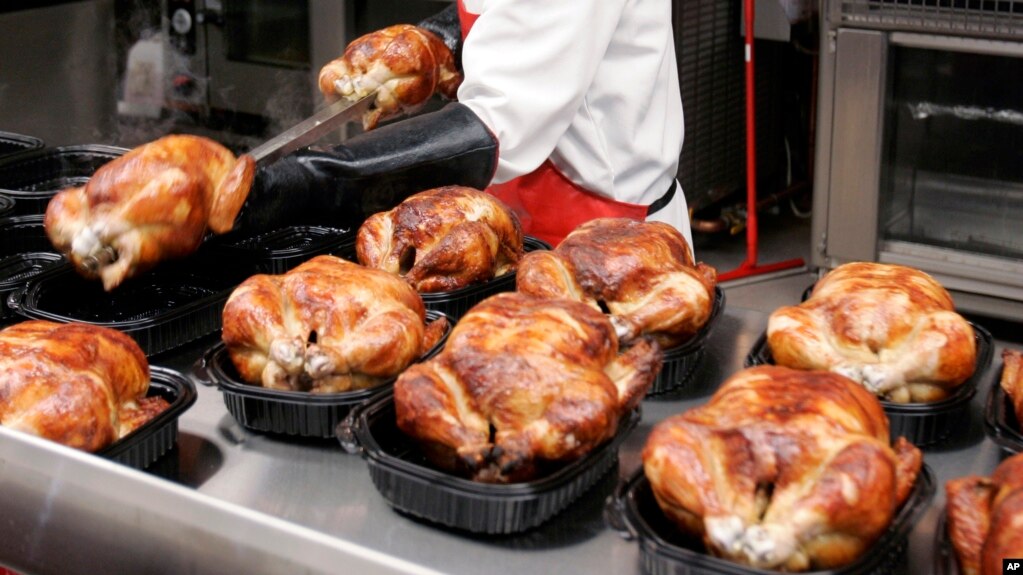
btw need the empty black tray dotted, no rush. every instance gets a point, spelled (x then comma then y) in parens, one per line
(162, 309)
(20, 234)
(923, 424)
(157, 436)
(681, 361)
(32, 178)
(287, 412)
(6, 206)
(1000, 420)
(16, 271)
(11, 143)
(633, 512)
(411, 485)
(280, 250)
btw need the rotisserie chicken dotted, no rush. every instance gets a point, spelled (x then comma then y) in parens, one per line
(405, 64)
(782, 469)
(1012, 379)
(443, 239)
(641, 272)
(985, 518)
(326, 326)
(522, 382)
(892, 328)
(151, 204)
(77, 384)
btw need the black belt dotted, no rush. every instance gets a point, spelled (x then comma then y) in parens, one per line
(663, 200)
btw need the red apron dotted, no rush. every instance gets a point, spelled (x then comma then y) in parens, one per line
(548, 204)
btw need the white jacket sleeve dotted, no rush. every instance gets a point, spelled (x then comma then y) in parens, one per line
(527, 66)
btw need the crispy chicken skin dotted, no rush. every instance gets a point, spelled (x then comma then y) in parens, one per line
(405, 64)
(1011, 380)
(522, 382)
(782, 469)
(326, 326)
(443, 239)
(77, 384)
(985, 517)
(643, 272)
(153, 203)
(892, 328)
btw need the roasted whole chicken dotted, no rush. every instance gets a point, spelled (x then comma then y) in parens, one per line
(151, 204)
(443, 239)
(77, 384)
(782, 469)
(985, 518)
(1011, 380)
(892, 328)
(521, 383)
(404, 64)
(326, 326)
(641, 272)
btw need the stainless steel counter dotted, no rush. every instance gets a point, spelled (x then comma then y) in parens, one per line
(231, 501)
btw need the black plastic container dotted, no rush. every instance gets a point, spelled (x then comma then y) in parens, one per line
(412, 485)
(32, 178)
(1000, 420)
(157, 436)
(283, 412)
(633, 512)
(161, 309)
(20, 234)
(945, 561)
(278, 251)
(454, 303)
(6, 207)
(16, 271)
(681, 361)
(923, 424)
(11, 143)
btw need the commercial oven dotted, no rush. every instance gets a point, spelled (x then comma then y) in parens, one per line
(919, 134)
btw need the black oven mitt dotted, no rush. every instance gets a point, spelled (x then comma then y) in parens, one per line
(371, 172)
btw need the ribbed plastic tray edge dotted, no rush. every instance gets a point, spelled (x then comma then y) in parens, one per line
(1000, 421)
(680, 362)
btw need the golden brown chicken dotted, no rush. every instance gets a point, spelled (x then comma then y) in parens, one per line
(892, 328)
(1012, 379)
(443, 239)
(80, 385)
(522, 382)
(985, 518)
(326, 326)
(782, 469)
(405, 64)
(642, 272)
(153, 203)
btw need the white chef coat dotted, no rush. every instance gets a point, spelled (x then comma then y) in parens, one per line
(591, 85)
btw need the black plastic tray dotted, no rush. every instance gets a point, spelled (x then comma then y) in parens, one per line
(157, 436)
(287, 412)
(20, 234)
(923, 424)
(280, 250)
(11, 143)
(454, 303)
(6, 206)
(681, 361)
(1000, 420)
(411, 485)
(32, 178)
(16, 271)
(945, 560)
(162, 309)
(633, 512)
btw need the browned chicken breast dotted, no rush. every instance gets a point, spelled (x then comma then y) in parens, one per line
(522, 382)
(153, 203)
(405, 64)
(642, 272)
(782, 469)
(1012, 379)
(80, 385)
(443, 239)
(891, 328)
(985, 518)
(326, 326)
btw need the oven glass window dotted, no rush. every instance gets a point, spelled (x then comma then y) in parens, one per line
(953, 151)
(268, 32)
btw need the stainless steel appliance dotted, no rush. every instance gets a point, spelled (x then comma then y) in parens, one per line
(257, 57)
(919, 132)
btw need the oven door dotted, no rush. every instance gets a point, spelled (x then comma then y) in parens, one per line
(925, 166)
(263, 56)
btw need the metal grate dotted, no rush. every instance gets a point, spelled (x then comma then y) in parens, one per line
(984, 18)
